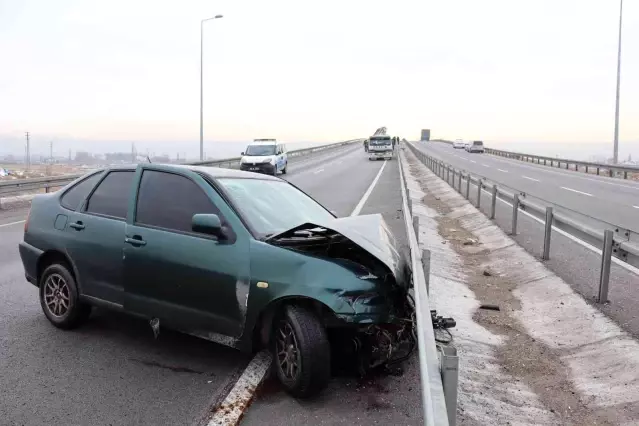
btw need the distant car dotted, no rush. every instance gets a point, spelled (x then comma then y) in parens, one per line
(233, 257)
(476, 146)
(265, 156)
(458, 144)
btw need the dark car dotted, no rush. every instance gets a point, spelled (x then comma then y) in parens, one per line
(234, 257)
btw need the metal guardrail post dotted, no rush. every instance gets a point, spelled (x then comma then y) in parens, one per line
(493, 204)
(448, 174)
(459, 182)
(426, 267)
(547, 233)
(468, 186)
(479, 185)
(606, 258)
(450, 380)
(515, 214)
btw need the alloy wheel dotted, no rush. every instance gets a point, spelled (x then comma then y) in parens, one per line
(57, 295)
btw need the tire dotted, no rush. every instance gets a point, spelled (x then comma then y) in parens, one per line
(57, 286)
(312, 353)
(284, 169)
(275, 170)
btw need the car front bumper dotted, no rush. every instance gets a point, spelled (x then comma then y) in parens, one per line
(267, 168)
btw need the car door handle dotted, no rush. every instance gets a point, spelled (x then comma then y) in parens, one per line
(137, 242)
(78, 226)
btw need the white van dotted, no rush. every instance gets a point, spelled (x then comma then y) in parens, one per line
(265, 156)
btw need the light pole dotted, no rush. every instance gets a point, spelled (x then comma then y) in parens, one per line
(615, 157)
(202, 84)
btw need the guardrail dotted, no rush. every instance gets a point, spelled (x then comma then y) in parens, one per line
(575, 165)
(438, 377)
(48, 183)
(613, 170)
(617, 242)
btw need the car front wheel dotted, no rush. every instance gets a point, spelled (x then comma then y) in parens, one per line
(301, 352)
(59, 298)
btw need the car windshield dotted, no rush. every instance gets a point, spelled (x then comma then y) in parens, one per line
(257, 150)
(380, 142)
(478, 143)
(270, 206)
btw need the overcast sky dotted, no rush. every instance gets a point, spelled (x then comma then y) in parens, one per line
(326, 70)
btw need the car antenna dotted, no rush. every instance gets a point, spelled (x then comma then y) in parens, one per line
(148, 159)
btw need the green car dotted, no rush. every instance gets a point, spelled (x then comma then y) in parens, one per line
(234, 257)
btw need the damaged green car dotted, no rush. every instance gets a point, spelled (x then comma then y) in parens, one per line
(237, 258)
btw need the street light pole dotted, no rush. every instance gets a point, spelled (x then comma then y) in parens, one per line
(202, 84)
(615, 157)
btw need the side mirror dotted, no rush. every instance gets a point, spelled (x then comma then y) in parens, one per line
(207, 224)
(242, 153)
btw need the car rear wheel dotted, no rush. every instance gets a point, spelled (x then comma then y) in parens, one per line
(60, 300)
(301, 352)
(284, 169)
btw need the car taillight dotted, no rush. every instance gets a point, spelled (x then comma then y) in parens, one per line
(26, 222)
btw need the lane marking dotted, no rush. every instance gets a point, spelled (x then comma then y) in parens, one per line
(529, 178)
(472, 161)
(231, 410)
(502, 170)
(485, 165)
(318, 171)
(360, 205)
(574, 190)
(11, 223)
(584, 244)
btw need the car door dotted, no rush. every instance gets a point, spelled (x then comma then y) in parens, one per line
(95, 233)
(194, 282)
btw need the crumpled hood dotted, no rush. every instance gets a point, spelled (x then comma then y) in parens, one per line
(370, 232)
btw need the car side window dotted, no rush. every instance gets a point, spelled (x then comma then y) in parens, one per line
(169, 201)
(74, 196)
(111, 197)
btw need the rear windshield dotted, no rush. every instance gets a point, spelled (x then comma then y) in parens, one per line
(260, 150)
(478, 143)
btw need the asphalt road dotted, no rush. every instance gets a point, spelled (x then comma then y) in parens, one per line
(577, 265)
(113, 372)
(600, 198)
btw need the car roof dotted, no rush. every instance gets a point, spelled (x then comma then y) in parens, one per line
(264, 142)
(219, 172)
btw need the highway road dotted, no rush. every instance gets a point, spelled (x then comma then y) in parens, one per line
(112, 371)
(578, 264)
(601, 198)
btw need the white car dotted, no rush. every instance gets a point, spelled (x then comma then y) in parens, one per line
(458, 144)
(265, 156)
(476, 146)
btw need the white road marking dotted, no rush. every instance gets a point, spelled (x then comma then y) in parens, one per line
(11, 223)
(472, 161)
(318, 171)
(574, 190)
(231, 410)
(529, 178)
(485, 165)
(360, 205)
(636, 207)
(502, 170)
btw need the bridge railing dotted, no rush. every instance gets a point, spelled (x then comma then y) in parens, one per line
(48, 184)
(611, 170)
(438, 365)
(614, 241)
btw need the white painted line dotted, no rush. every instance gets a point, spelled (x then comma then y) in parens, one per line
(485, 165)
(584, 244)
(360, 205)
(574, 190)
(231, 410)
(472, 161)
(502, 170)
(318, 171)
(11, 223)
(529, 178)
(636, 207)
